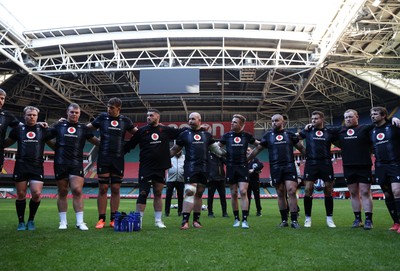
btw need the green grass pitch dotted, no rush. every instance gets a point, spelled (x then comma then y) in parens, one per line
(217, 246)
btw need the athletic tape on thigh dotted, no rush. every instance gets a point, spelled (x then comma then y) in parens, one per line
(104, 180)
(116, 179)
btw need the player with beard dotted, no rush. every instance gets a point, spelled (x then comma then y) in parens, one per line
(318, 166)
(196, 142)
(354, 141)
(153, 140)
(280, 144)
(236, 143)
(385, 139)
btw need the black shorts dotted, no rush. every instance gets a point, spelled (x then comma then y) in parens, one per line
(237, 174)
(24, 172)
(199, 177)
(387, 173)
(317, 171)
(156, 175)
(110, 165)
(64, 171)
(195, 177)
(280, 174)
(357, 174)
(146, 177)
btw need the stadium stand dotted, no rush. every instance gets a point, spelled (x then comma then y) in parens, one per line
(4, 192)
(8, 167)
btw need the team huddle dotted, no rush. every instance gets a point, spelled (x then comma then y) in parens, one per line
(68, 137)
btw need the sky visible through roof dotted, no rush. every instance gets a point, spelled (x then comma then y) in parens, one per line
(48, 14)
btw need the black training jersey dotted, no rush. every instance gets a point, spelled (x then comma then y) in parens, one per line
(356, 145)
(318, 144)
(257, 166)
(236, 147)
(280, 146)
(31, 140)
(70, 141)
(216, 167)
(196, 143)
(386, 143)
(154, 145)
(6, 120)
(112, 134)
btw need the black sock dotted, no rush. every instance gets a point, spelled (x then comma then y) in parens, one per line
(357, 215)
(308, 205)
(329, 205)
(196, 216)
(112, 216)
(20, 206)
(293, 216)
(185, 217)
(245, 214)
(284, 215)
(33, 207)
(102, 216)
(236, 215)
(390, 205)
(368, 216)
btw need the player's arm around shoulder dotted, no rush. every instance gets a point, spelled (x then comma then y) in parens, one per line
(51, 143)
(255, 152)
(133, 130)
(8, 142)
(256, 142)
(94, 140)
(132, 142)
(174, 150)
(217, 149)
(300, 147)
(91, 127)
(396, 122)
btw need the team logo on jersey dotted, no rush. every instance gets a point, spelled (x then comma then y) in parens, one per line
(350, 132)
(380, 136)
(237, 140)
(30, 135)
(279, 137)
(71, 130)
(197, 137)
(154, 136)
(319, 133)
(114, 123)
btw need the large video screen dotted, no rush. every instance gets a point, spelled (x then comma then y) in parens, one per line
(169, 81)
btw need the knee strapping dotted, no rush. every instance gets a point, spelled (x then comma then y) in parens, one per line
(142, 198)
(104, 180)
(190, 190)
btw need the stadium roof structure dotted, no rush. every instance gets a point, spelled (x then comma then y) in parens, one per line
(257, 58)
